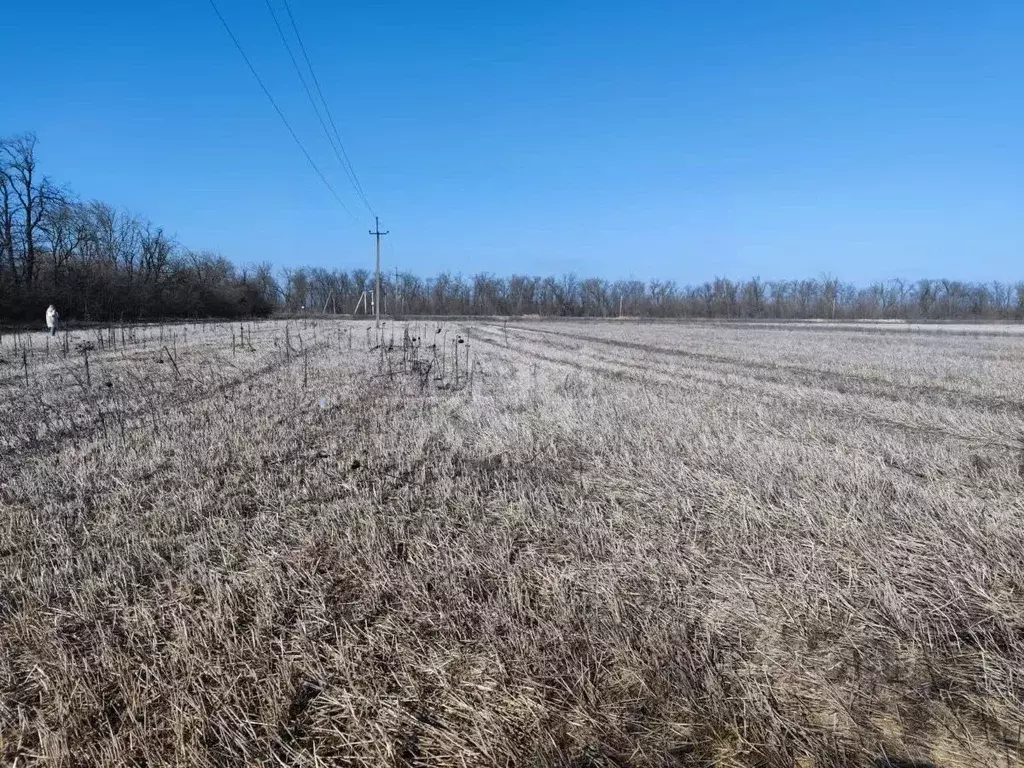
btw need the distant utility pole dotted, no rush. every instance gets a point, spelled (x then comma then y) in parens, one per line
(376, 285)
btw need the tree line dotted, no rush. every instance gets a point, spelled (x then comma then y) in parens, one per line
(570, 296)
(96, 262)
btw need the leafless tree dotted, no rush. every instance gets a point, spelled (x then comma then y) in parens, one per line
(26, 196)
(66, 232)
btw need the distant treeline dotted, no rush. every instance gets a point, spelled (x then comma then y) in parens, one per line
(571, 296)
(98, 263)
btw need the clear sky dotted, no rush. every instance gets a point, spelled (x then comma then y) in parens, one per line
(680, 140)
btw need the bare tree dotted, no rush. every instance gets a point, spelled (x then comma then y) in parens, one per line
(30, 195)
(155, 252)
(7, 216)
(753, 297)
(522, 293)
(65, 232)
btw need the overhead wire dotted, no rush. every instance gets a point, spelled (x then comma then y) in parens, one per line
(340, 155)
(280, 114)
(327, 110)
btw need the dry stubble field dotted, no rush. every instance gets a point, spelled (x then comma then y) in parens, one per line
(601, 544)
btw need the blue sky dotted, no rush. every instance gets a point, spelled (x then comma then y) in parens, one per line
(678, 140)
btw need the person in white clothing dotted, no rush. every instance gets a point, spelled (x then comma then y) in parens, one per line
(51, 319)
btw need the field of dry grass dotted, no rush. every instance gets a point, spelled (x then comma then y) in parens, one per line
(575, 544)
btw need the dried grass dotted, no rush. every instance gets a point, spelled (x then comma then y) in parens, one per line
(605, 545)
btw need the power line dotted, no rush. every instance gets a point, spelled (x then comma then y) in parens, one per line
(327, 109)
(277, 109)
(316, 82)
(346, 167)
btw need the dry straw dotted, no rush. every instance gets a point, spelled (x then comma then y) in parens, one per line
(591, 545)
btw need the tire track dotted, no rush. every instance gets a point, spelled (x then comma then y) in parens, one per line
(635, 375)
(841, 383)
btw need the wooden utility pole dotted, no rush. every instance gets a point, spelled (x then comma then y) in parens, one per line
(376, 285)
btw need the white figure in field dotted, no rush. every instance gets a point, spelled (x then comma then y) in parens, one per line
(51, 319)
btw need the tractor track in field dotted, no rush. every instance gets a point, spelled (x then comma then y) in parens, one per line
(635, 374)
(841, 383)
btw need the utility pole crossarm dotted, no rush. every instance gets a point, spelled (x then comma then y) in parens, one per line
(376, 285)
